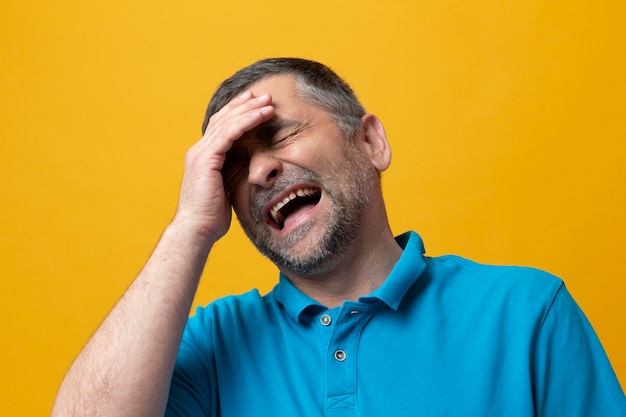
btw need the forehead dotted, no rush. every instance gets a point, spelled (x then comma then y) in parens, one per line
(290, 106)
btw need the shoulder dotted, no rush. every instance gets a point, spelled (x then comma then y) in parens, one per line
(462, 278)
(242, 312)
(234, 307)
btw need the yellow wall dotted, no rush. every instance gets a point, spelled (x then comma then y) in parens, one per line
(507, 121)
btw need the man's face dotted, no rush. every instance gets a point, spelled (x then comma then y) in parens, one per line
(299, 188)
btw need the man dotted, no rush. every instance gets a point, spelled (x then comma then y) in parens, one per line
(361, 323)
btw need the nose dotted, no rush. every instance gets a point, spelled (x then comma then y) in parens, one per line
(264, 169)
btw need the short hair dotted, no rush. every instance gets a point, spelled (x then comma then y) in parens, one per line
(317, 83)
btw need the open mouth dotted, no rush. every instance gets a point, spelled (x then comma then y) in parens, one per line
(297, 200)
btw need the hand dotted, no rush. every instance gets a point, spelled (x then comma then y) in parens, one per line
(203, 199)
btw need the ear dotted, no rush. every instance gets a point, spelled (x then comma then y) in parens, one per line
(373, 142)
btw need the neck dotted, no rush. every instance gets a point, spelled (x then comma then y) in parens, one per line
(360, 271)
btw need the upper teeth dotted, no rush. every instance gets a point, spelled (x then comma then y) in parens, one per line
(300, 192)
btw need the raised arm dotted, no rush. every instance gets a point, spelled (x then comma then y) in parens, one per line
(126, 367)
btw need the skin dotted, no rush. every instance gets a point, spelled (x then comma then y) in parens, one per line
(310, 132)
(126, 367)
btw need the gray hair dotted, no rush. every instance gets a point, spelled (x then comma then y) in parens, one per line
(317, 83)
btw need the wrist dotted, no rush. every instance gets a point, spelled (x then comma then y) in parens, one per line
(195, 233)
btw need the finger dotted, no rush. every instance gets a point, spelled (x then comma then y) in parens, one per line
(222, 133)
(246, 95)
(229, 130)
(237, 125)
(239, 117)
(240, 104)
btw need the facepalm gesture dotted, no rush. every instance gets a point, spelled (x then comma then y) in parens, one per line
(203, 199)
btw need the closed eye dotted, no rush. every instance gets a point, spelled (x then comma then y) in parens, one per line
(280, 140)
(283, 139)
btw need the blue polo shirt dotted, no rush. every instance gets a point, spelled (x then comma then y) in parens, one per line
(440, 337)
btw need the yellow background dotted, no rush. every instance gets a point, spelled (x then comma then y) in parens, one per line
(507, 121)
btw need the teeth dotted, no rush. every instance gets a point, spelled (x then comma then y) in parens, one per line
(300, 192)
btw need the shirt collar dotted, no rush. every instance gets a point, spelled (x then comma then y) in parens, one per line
(404, 274)
(406, 271)
(294, 301)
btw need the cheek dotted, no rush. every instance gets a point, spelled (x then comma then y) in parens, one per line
(312, 156)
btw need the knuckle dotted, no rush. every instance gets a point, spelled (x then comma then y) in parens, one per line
(190, 155)
(213, 118)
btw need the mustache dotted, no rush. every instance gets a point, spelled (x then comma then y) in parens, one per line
(260, 198)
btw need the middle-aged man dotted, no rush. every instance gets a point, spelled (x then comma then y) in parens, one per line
(360, 323)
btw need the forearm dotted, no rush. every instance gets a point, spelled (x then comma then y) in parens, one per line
(126, 367)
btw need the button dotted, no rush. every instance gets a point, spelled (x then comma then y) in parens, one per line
(340, 355)
(325, 320)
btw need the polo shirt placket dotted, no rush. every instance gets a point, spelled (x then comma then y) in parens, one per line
(341, 357)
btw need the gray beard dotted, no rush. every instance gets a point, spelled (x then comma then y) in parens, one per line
(341, 225)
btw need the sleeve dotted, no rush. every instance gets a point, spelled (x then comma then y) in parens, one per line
(192, 389)
(572, 375)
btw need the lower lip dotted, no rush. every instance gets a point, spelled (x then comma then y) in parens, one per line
(297, 218)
